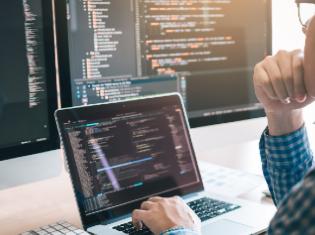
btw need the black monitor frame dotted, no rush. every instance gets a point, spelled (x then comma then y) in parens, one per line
(53, 142)
(65, 76)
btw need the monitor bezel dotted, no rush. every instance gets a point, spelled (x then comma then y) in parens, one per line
(85, 112)
(65, 74)
(52, 143)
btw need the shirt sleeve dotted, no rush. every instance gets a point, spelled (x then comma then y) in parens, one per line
(285, 161)
(295, 214)
(179, 231)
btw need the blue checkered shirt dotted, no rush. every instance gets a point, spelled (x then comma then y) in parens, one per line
(287, 165)
(180, 231)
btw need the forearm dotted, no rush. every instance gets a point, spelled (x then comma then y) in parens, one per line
(283, 123)
(286, 160)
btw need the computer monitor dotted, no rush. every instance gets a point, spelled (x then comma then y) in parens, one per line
(206, 50)
(27, 78)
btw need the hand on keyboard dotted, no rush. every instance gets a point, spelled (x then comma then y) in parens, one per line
(160, 214)
(205, 208)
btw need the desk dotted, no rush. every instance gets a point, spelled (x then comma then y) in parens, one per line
(44, 202)
(37, 204)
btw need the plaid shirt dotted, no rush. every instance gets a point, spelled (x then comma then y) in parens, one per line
(287, 163)
(179, 231)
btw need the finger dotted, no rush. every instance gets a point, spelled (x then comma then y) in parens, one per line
(300, 93)
(138, 217)
(156, 199)
(273, 71)
(262, 79)
(284, 60)
(177, 198)
(147, 205)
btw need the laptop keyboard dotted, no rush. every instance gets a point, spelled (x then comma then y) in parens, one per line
(128, 228)
(206, 208)
(60, 228)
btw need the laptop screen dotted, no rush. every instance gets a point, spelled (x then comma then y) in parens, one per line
(124, 153)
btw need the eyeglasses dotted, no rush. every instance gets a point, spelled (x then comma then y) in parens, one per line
(306, 10)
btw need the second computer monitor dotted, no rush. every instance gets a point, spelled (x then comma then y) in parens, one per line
(28, 93)
(206, 50)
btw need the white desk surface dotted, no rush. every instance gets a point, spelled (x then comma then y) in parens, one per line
(50, 200)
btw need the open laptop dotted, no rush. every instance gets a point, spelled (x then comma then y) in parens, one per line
(120, 154)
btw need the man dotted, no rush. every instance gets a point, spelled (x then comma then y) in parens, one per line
(284, 84)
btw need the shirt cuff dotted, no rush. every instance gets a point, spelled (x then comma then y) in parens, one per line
(287, 151)
(179, 231)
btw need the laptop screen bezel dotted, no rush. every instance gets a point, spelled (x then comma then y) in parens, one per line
(86, 113)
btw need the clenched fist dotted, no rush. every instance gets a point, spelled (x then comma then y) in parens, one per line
(285, 83)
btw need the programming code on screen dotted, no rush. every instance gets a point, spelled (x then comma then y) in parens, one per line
(130, 156)
(210, 46)
(23, 91)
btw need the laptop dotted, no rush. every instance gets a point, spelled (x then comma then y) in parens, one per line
(120, 154)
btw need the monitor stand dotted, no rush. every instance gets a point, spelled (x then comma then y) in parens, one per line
(32, 168)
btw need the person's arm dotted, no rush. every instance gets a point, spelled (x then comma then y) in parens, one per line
(295, 214)
(286, 160)
(167, 216)
(180, 231)
(283, 89)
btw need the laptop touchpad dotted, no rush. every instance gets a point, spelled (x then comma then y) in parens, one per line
(226, 227)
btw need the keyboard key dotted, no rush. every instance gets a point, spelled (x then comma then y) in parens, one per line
(60, 228)
(207, 208)
(65, 224)
(56, 233)
(50, 230)
(42, 233)
(71, 228)
(64, 230)
(128, 228)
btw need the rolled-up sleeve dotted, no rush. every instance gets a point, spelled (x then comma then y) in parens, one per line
(285, 160)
